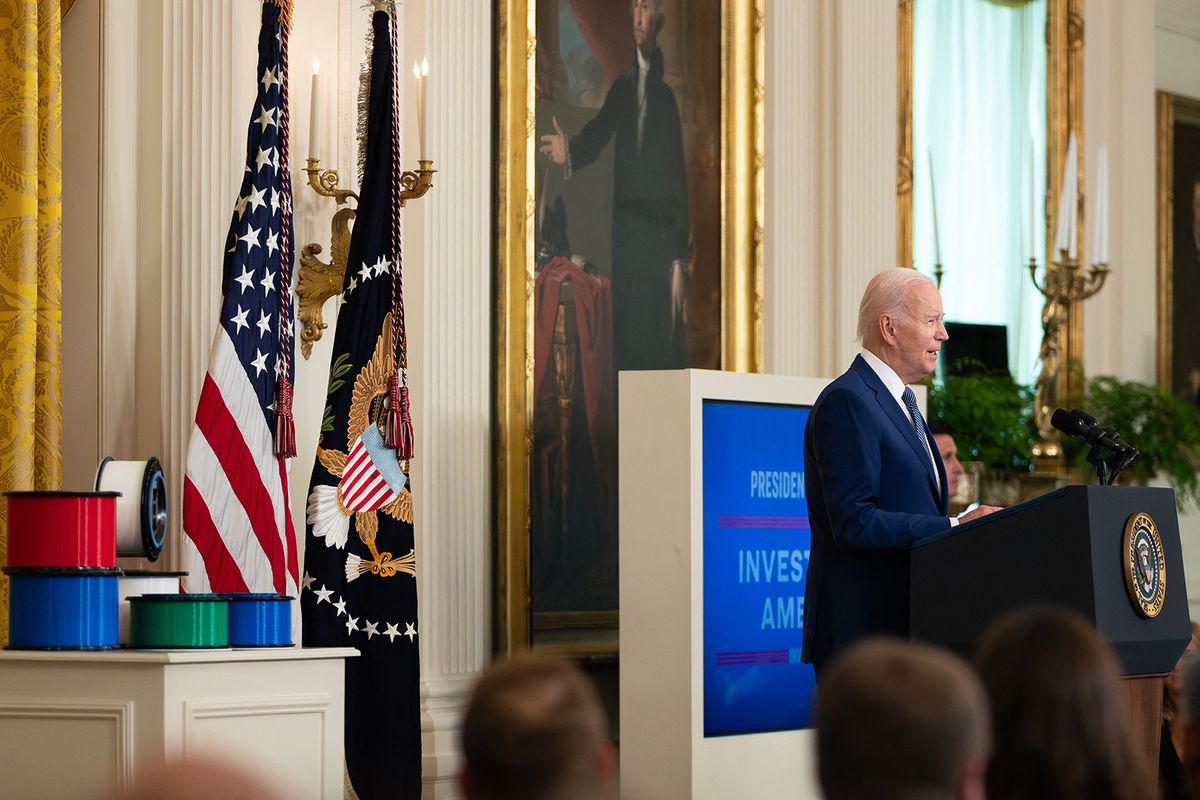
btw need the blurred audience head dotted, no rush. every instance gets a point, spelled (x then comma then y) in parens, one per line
(1059, 723)
(535, 730)
(199, 778)
(899, 720)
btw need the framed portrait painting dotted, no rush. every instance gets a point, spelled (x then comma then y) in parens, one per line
(628, 192)
(1179, 245)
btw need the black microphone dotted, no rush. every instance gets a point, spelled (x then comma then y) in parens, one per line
(1068, 423)
(1097, 435)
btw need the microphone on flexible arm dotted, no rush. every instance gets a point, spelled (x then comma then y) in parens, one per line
(1084, 426)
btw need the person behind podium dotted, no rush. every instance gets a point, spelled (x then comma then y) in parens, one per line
(943, 435)
(873, 477)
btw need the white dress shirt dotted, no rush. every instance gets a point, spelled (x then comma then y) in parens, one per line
(643, 70)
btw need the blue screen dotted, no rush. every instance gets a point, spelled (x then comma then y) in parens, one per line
(756, 547)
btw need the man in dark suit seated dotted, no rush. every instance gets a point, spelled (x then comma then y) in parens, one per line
(873, 477)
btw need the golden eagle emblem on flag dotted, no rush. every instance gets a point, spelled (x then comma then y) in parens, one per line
(371, 479)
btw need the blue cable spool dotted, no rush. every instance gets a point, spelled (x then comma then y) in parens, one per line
(259, 620)
(62, 608)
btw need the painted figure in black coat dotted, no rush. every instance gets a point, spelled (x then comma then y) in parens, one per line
(650, 205)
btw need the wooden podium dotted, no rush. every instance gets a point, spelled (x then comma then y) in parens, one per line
(1069, 548)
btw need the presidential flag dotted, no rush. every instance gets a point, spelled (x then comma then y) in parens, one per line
(359, 585)
(236, 520)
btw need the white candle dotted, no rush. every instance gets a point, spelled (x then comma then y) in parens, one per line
(937, 244)
(314, 115)
(416, 70)
(1065, 225)
(423, 86)
(1100, 251)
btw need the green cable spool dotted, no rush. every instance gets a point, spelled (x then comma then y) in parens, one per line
(179, 621)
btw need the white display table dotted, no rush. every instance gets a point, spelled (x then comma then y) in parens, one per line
(73, 724)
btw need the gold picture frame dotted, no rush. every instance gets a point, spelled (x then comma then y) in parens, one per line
(593, 633)
(1064, 113)
(1171, 111)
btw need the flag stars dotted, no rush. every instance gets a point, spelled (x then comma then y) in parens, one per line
(274, 201)
(240, 206)
(364, 274)
(392, 632)
(246, 279)
(340, 605)
(239, 319)
(264, 158)
(308, 581)
(323, 595)
(272, 242)
(250, 237)
(266, 119)
(370, 629)
(268, 283)
(260, 362)
(269, 79)
(264, 324)
(381, 266)
(410, 630)
(351, 624)
(256, 199)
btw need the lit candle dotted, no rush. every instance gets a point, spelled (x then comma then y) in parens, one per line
(423, 85)
(420, 111)
(314, 116)
(937, 244)
(1100, 234)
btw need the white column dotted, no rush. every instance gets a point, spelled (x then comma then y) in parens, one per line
(831, 175)
(448, 303)
(866, 120)
(795, 238)
(208, 85)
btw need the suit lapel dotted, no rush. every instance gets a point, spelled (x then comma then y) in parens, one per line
(891, 409)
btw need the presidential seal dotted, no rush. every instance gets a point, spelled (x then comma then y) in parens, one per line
(1145, 567)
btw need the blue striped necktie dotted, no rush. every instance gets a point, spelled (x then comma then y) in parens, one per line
(910, 402)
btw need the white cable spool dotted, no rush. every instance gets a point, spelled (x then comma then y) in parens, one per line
(142, 506)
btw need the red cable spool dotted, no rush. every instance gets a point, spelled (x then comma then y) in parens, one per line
(62, 529)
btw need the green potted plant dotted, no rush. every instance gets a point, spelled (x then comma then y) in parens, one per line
(1164, 428)
(990, 417)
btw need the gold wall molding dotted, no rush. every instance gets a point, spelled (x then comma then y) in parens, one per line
(742, 210)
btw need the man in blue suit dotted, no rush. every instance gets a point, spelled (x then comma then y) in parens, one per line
(873, 476)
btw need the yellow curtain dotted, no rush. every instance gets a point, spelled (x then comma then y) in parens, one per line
(30, 254)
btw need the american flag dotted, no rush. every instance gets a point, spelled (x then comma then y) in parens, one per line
(236, 519)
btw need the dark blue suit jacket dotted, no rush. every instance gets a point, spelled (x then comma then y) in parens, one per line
(871, 493)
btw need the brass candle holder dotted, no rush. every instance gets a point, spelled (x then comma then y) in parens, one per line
(1063, 285)
(319, 280)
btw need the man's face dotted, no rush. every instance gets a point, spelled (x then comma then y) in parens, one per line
(917, 336)
(954, 467)
(643, 24)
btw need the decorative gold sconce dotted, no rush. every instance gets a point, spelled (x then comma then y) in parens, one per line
(319, 280)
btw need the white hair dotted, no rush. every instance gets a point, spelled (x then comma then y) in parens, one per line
(886, 293)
